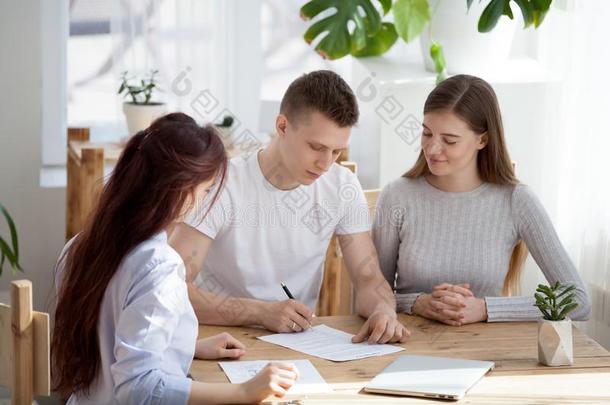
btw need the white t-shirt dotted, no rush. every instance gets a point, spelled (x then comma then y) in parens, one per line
(264, 236)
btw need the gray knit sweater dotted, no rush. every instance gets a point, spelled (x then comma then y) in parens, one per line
(425, 236)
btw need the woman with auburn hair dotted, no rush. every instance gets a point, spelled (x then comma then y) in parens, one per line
(125, 331)
(450, 232)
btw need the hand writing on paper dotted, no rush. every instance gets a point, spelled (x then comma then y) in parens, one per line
(275, 379)
(219, 346)
(285, 316)
(382, 327)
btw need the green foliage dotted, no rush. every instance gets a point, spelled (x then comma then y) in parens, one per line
(379, 43)
(226, 122)
(140, 93)
(10, 252)
(410, 17)
(436, 53)
(533, 12)
(368, 36)
(371, 36)
(555, 302)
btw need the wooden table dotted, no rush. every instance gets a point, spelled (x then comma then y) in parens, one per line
(517, 378)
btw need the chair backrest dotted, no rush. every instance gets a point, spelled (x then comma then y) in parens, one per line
(25, 369)
(85, 170)
(336, 292)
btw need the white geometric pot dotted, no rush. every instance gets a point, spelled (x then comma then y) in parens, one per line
(555, 342)
(140, 116)
(466, 49)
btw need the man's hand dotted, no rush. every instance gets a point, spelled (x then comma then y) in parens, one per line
(285, 316)
(382, 327)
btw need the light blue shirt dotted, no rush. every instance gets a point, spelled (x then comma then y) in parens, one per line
(147, 331)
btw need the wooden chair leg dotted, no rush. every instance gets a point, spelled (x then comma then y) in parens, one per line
(23, 342)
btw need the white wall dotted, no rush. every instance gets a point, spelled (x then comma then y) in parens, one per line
(38, 213)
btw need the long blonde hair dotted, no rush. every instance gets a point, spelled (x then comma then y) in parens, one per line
(474, 101)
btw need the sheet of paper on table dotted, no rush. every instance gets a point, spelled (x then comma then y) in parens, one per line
(309, 381)
(328, 343)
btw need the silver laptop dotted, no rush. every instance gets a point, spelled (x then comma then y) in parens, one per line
(430, 377)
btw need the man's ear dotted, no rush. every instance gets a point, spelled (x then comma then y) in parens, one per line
(483, 139)
(281, 122)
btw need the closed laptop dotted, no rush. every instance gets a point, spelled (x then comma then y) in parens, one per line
(428, 376)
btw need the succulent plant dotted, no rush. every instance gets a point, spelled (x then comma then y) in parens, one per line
(555, 302)
(140, 93)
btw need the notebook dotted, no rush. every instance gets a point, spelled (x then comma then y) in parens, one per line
(430, 377)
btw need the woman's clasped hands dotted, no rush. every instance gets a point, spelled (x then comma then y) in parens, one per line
(452, 304)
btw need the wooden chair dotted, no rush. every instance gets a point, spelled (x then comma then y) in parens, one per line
(86, 162)
(336, 292)
(24, 343)
(85, 167)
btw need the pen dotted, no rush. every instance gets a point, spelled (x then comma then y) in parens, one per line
(289, 294)
(287, 291)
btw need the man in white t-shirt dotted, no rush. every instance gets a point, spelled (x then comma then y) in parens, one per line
(273, 221)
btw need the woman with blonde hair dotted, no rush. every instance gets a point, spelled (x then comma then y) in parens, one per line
(450, 232)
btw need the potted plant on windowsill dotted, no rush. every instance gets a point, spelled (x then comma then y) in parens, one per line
(555, 346)
(141, 110)
(9, 252)
(451, 30)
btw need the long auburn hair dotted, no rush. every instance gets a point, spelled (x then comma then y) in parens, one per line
(475, 102)
(153, 181)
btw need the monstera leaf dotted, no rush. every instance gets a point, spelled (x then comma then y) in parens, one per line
(533, 12)
(410, 17)
(369, 36)
(379, 43)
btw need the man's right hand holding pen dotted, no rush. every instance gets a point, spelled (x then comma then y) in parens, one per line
(285, 316)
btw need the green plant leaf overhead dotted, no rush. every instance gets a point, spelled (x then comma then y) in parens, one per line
(338, 41)
(438, 57)
(507, 10)
(491, 14)
(356, 27)
(379, 43)
(540, 8)
(527, 11)
(410, 17)
(386, 5)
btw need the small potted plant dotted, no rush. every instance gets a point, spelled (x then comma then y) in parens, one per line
(225, 127)
(555, 328)
(141, 110)
(8, 251)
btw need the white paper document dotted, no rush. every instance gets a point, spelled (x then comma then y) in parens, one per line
(328, 343)
(309, 381)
